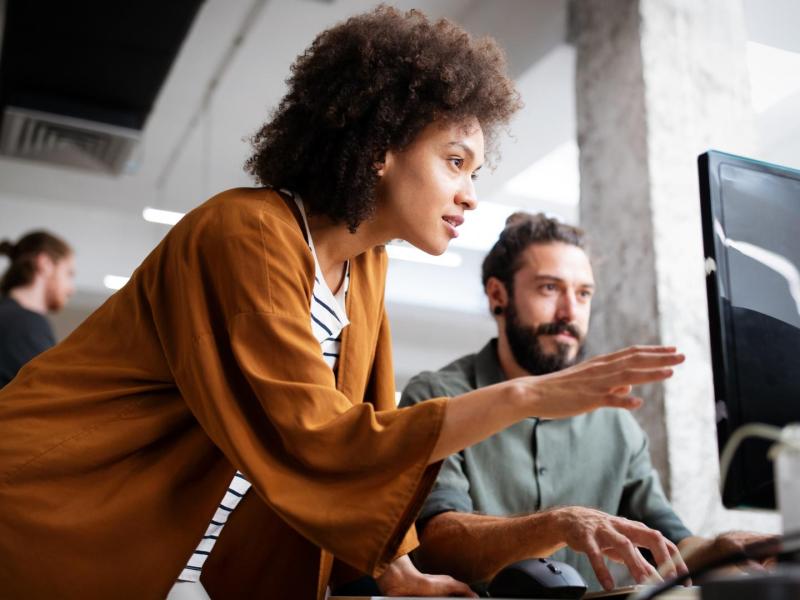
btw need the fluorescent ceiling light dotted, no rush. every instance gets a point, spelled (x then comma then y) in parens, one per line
(166, 217)
(774, 75)
(554, 178)
(448, 259)
(114, 282)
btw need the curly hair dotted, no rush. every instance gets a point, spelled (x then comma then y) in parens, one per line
(522, 230)
(370, 85)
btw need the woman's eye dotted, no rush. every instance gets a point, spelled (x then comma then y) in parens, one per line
(457, 162)
(474, 176)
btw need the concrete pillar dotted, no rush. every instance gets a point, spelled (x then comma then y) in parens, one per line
(657, 83)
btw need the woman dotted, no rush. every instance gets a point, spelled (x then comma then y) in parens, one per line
(253, 346)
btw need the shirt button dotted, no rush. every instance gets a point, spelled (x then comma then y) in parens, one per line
(542, 470)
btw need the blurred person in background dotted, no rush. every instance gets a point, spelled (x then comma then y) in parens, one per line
(39, 280)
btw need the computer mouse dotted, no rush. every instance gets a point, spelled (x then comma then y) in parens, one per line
(537, 578)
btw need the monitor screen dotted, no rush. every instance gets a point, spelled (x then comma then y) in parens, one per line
(751, 231)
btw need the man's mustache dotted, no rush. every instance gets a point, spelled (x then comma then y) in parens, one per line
(559, 327)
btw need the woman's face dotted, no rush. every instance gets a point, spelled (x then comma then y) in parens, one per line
(425, 188)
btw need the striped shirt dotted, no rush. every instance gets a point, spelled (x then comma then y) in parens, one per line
(328, 318)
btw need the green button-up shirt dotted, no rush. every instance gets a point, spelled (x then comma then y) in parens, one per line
(599, 460)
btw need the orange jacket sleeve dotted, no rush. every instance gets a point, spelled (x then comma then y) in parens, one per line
(348, 475)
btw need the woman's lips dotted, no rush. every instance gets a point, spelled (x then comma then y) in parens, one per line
(453, 221)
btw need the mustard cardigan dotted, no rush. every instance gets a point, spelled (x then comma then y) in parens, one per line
(117, 445)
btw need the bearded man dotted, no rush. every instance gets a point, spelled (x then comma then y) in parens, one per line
(581, 489)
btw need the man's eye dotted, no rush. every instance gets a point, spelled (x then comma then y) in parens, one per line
(549, 287)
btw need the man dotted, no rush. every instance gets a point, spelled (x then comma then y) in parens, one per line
(526, 491)
(38, 280)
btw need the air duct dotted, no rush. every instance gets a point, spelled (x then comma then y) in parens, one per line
(68, 141)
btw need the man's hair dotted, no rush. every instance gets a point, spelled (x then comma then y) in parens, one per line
(370, 85)
(23, 256)
(522, 230)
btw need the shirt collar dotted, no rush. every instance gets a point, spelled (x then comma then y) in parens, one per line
(487, 366)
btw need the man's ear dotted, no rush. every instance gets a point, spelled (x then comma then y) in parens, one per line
(44, 264)
(497, 294)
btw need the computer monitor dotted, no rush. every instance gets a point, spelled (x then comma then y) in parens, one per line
(751, 234)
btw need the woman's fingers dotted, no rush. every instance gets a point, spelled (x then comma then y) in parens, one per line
(626, 402)
(606, 381)
(630, 377)
(647, 360)
(621, 390)
(636, 369)
(633, 350)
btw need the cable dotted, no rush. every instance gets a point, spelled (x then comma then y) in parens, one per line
(742, 433)
(786, 436)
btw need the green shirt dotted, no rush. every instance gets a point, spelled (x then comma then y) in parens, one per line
(598, 460)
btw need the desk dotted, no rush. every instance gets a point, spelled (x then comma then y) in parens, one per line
(676, 594)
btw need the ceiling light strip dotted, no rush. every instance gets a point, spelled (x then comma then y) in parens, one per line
(165, 217)
(115, 282)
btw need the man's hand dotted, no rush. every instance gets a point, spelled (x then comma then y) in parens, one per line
(598, 534)
(699, 551)
(401, 578)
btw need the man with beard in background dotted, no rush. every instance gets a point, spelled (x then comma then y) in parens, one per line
(580, 489)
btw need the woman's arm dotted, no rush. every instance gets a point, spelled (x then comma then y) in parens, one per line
(604, 381)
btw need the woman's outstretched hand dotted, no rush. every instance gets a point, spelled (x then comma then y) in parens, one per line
(603, 381)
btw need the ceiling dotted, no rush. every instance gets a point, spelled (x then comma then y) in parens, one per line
(230, 62)
(77, 86)
(95, 60)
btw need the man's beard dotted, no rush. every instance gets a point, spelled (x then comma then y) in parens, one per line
(527, 347)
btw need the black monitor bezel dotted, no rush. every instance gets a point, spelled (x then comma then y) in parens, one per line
(737, 494)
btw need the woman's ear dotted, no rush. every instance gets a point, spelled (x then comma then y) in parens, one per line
(382, 166)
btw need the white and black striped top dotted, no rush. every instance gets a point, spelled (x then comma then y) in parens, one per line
(328, 318)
